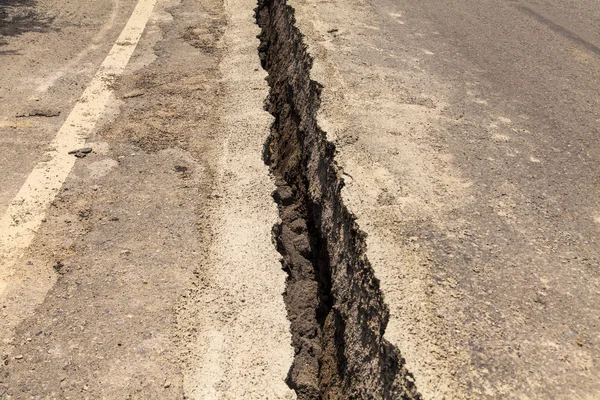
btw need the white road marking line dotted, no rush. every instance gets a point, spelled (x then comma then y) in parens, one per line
(24, 216)
(49, 81)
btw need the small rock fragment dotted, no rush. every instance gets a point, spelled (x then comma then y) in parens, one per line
(284, 195)
(134, 93)
(80, 153)
(298, 225)
(85, 213)
(302, 244)
(37, 112)
(58, 267)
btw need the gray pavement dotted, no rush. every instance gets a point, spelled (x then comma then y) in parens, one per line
(467, 135)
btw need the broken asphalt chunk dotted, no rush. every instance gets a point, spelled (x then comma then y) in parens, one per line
(80, 153)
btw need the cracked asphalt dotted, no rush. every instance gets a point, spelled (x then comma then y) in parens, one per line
(468, 137)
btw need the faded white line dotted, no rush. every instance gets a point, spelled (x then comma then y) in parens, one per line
(49, 81)
(24, 216)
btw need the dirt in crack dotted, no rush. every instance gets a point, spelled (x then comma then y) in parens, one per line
(333, 299)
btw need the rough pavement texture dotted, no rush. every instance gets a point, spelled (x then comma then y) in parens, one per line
(467, 137)
(161, 277)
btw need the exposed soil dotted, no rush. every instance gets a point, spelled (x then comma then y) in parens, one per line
(334, 303)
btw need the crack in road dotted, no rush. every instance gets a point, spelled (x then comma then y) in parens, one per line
(334, 303)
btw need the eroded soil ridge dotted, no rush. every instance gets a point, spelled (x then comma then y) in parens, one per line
(334, 303)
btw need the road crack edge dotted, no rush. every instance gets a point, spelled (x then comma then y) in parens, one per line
(334, 303)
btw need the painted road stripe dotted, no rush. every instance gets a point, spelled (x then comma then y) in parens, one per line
(24, 216)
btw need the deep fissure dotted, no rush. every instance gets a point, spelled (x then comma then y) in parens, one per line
(334, 303)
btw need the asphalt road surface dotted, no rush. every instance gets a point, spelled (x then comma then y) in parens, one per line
(446, 249)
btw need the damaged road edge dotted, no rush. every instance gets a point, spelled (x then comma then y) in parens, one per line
(334, 303)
